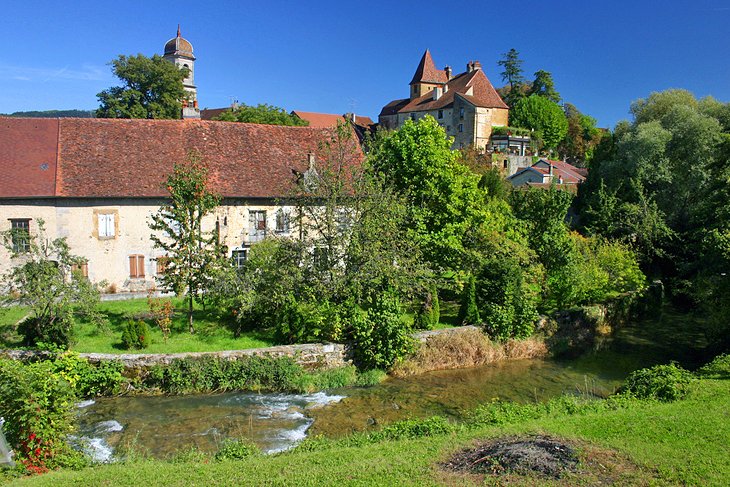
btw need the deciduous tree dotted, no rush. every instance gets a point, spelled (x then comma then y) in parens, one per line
(151, 88)
(262, 113)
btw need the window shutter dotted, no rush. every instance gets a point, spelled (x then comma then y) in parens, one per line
(110, 225)
(140, 266)
(132, 266)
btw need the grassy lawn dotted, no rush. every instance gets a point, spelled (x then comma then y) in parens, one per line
(209, 336)
(679, 443)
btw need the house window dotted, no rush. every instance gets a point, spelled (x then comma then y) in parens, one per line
(20, 235)
(136, 266)
(461, 127)
(441, 114)
(282, 221)
(162, 263)
(239, 257)
(105, 223)
(461, 113)
(256, 225)
(81, 269)
(413, 116)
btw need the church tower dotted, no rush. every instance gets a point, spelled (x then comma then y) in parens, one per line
(179, 51)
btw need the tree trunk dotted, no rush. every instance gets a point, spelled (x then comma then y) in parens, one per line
(190, 313)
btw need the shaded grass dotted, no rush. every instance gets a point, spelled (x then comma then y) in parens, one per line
(683, 442)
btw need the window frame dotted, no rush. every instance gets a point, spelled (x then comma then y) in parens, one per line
(257, 227)
(20, 235)
(136, 266)
(239, 257)
(283, 222)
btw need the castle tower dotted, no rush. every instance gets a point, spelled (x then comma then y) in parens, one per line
(179, 51)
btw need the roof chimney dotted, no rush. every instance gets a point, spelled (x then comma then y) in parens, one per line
(469, 66)
(476, 65)
(448, 72)
(437, 92)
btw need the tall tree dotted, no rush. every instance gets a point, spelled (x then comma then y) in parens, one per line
(444, 199)
(262, 113)
(191, 253)
(543, 116)
(151, 88)
(512, 74)
(581, 139)
(544, 85)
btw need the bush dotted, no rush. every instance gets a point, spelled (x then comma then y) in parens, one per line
(135, 335)
(379, 336)
(302, 322)
(429, 313)
(89, 380)
(719, 368)
(38, 406)
(237, 449)
(662, 382)
(37, 330)
(469, 311)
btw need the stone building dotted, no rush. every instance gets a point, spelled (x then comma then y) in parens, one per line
(466, 104)
(97, 182)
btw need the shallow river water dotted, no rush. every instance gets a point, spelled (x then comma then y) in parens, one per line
(164, 425)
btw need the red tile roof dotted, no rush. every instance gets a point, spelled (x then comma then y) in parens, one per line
(426, 71)
(132, 158)
(562, 171)
(211, 113)
(329, 120)
(476, 82)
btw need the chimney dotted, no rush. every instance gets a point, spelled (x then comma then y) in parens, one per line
(448, 72)
(469, 67)
(437, 92)
(476, 65)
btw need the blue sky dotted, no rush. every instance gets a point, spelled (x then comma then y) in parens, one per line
(337, 56)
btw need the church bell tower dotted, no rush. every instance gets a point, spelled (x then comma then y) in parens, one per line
(179, 51)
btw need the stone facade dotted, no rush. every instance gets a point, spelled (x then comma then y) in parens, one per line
(109, 256)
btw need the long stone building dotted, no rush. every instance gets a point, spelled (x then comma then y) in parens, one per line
(97, 182)
(466, 104)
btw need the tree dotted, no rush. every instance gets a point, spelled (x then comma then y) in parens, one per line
(443, 196)
(512, 74)
(262, 113)
(544, 86)
(152, 88)
(512, 65)
(582, 137)
(191, 253)
(45, 283)
(543, 116)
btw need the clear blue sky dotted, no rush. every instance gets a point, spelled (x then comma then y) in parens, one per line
(337, 56)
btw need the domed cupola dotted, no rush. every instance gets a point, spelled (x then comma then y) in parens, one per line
(179, 46)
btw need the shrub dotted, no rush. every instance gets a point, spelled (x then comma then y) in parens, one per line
(37, 404)
(379, 336)
(429, 313)
(237, 449)
(719, 368)
(662, 382)
(87, 379)
(136, 335)
(469, 311)
(301, 322)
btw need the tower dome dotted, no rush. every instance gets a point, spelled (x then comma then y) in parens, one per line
(179, 46)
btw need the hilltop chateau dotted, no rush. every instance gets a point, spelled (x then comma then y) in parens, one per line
(466, 104)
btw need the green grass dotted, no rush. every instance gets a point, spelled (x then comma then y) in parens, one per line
(210, 335)
(678, 443)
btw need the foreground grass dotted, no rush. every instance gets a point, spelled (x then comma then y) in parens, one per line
(684, 442)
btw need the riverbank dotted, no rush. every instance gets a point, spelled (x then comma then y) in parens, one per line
(635, 442)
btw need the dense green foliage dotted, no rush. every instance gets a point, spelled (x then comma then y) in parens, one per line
(52, 114)
(191, 254)
(429, 312)
(136, 335)
(262, 113)
(660, 184)
(37, 404)
(44, 283)
(542, 115)
(661, 382)
(468, 310)
(237, 450)
(544, 86)
(151, 88)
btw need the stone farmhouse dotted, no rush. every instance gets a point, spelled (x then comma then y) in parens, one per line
(466, 104)
(96, 182)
